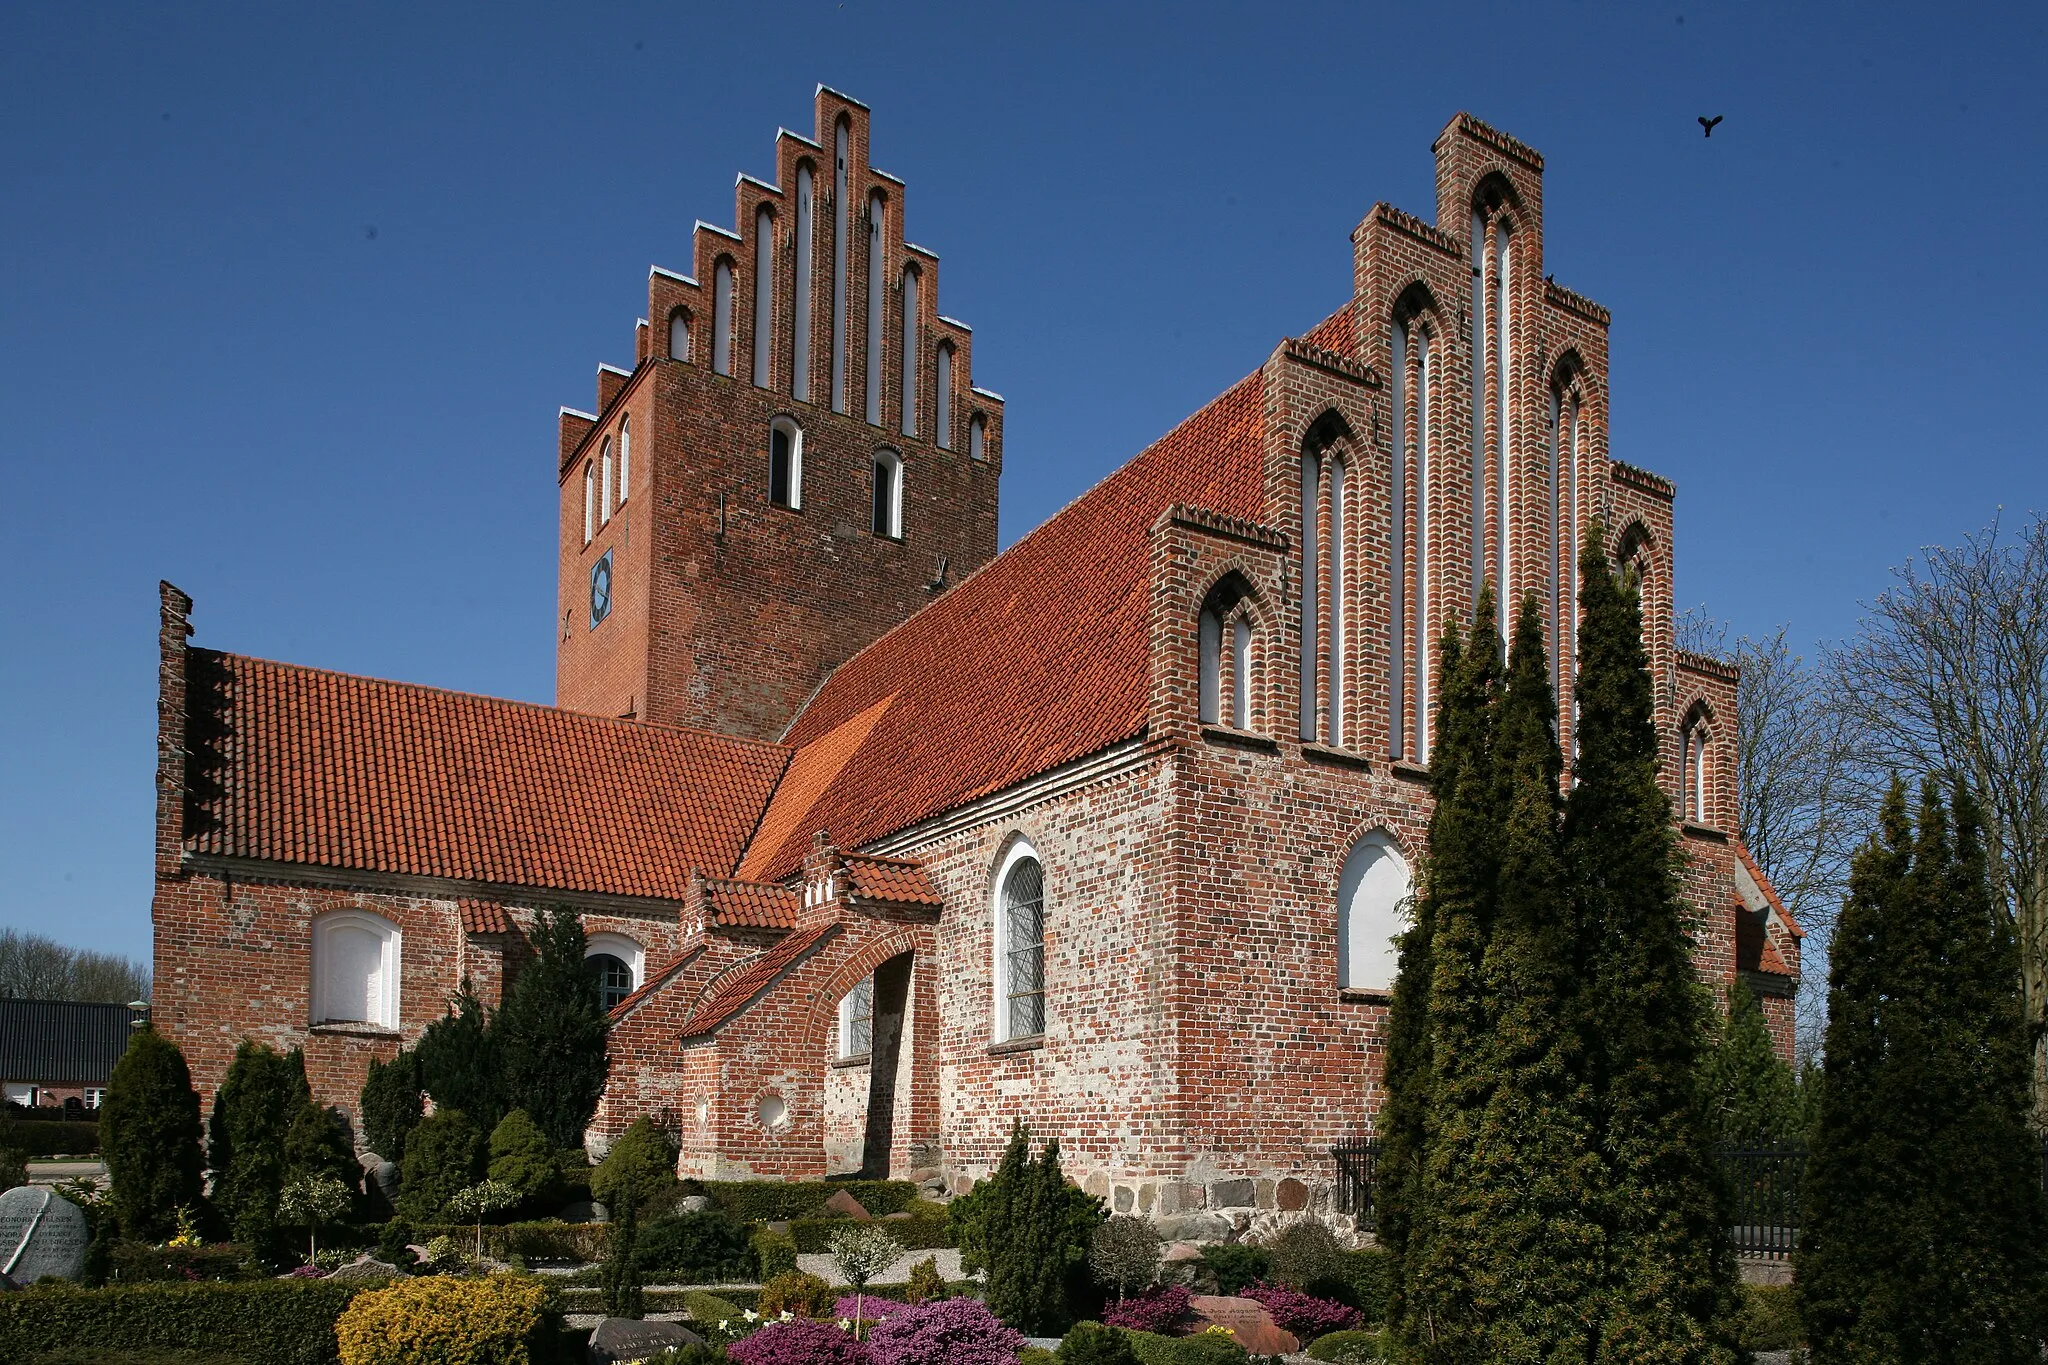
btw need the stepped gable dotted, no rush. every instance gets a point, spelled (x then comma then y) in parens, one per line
(303, 766)
(1039, 658)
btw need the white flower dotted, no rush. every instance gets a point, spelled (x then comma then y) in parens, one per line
(752, 1316)
(787, 1315)
(725, 1324)
(846, 1324)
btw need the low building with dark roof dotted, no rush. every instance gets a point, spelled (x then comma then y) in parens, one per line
(884, 840)
(54, 1051)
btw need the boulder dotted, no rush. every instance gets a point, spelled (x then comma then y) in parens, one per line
(696, 1203)
(845, 1205)
(1194, 1227)
(1250, 1324)
(1292, 1195)
(1232, 1194)
(584, 1211)
(41, 1234)
(623, 1339)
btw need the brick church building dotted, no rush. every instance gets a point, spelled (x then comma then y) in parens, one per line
(882, 838)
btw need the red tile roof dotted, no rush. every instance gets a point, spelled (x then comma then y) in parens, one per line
(1763, 884)
(752, 977)
(334, 770)
(1754, 951)
(1038, 658)
(483, 917)
(751, 905)
(1333, 333)
(898, 880)
(656, 979)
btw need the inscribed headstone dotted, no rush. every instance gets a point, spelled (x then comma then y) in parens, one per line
(41, 1233)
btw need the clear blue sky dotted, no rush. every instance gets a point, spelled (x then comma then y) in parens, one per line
(289, 294)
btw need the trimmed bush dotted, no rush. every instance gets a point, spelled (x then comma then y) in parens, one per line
(391, 1105)
(774, 1253)
(1365, 1283)
(925, 1282)
(13, 1169)
(148, 1355)
(522, 1157)
(140, 1263)
(1237, 1264)
(644, 1159)
(443, 1156)
(704, 1247)
(443, 1320)
(149, 1134)
(926, 1232)
(1038, 1355)
(245, 1139)
(57, 1137)
(944, 1332)
(1153, 1349)
(801, 1342)
(277, 1322)
(1091, 1343)
(797, 1292)
(1349, 1348)
(780, 1201)
(710, 1309)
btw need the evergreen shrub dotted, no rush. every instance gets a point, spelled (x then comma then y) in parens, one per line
(1351, 1348)
(797, 1292)
(1030, 1231)
(276, 1322)
(455, 1056)
(1153, 1349)
(705, 1247)
(149, 1136)
(644, 1161)
(391, 1105)
(1091, 1343)
(1770, 1317)
(774, 1253)
(13, 1169)
(1365, 1283)
(710, 1309)
(548, 1040)
(52, 1137)
(141, 1263)
(1038, 1355)
(444, 1319)
(925, 1282)
(253, 1111)
(522, 1157)
(1237, 1264)
(923, 1232)
(443, 1156)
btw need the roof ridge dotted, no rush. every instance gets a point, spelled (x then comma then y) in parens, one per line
(624, 721)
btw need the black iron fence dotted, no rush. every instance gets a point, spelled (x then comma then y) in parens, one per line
(1764, 1183)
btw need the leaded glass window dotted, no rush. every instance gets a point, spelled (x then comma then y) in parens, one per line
(1024, 949)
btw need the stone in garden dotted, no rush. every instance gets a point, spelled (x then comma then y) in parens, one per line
(621, 1339)
(1194, 1227)
(846, 1206)
(366, 1267)
(901, 1215)
(1125, 1199)
(41, 1233)
(696, 1203)
(1252, 1327)
(1231, 1194)
(1293, 1195)
(583, 1211)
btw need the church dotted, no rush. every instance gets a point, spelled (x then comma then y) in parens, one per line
(883, 839)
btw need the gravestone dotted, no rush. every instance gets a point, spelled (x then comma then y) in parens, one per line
(1251, 1326)
(623, 1339)
(41, 1233)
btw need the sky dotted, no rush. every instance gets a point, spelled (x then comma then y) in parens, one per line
(289, 295)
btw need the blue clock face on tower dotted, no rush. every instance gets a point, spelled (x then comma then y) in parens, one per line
(601, 589)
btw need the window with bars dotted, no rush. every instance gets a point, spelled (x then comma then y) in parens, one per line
(1023, 949)
(614, 978)
(857, 1020)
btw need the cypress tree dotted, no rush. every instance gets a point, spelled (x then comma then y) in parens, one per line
(263, 1092)
(1750, 1095)
(549, 1039)
(1458, 897)
(1924, 1228)
(391, 1104)
(444, 1155)
(316, 1143)
(149, 1137)
(1670, 1291)
(997, 1207)
(455, 1058)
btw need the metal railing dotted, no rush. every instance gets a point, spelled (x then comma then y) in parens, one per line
(1357, 1168)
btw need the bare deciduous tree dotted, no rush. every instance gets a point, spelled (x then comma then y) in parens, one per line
(1948, 675)
(36, 968)
(1799, 803)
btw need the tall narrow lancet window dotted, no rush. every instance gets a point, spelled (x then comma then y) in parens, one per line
(944, 384)
(1481, 353)
(1210, 647)
(1692, 775)
(625, 459)
(1372, 895)
(1503, 442)
(977, 437)
(878, 289)
(1020, 946)
(909, 351)
(800, 293)
(1241, 672)
(764, 296)
(1423, 398)
(589, 500)
(888, 495)
(604, 501)
(1563, 441)
(1334, 658)
(721, 316)
(785, 463)
(1311, 587)
(1224, 656)
(1408, 633)
(842, 247)
(1493, 343)
(679, 335)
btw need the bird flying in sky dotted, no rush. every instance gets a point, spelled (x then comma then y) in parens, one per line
(1707, 124)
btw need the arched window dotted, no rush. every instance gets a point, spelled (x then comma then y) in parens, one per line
(977, 437)
(721, 316)
(1372, 897)
(1493, 341)
(857, 1020)
(1694, 779)
(618, 963)
(1227, 683)
(1334, 655)
(355, 969)
(841, 246)
(888, 500)
(1020, 945)
(1311, 584)
(604, 501)
(679, 335)
(589, 500)
(625, 459)
(800, 308)
(878, 289)
(785, 463)
(1414, 396)
(764, 295)
(944, 396)
(909, 414)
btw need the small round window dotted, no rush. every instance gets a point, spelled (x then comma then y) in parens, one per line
(774, 1113)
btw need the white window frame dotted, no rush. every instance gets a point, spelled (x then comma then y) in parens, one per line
(388, 969)
(789, 427)
(678, 329)
(589, 500)
(894, 529)
(999, 918)
(847, 1052)
(621, 947)
(977, 437)
(95, 1096)
(604, 501)
(625, 459)
(1349, 976)
(942, 397)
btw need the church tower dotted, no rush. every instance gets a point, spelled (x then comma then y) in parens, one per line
(797, 462)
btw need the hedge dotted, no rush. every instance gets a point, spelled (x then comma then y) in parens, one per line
(1770, 1318)
(1202, 1349)
(776, 1201)
(931, 1233)
(578, 1242)
(279, 1322)
(140, 1263)
(40, 1137)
